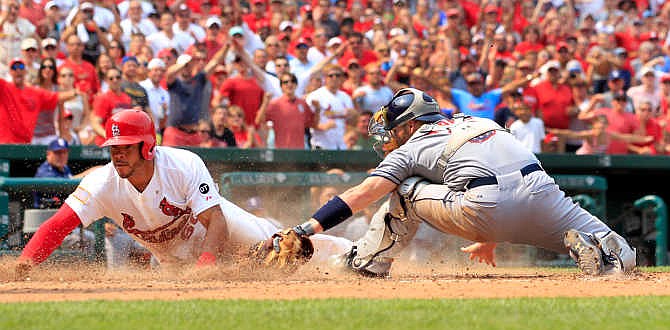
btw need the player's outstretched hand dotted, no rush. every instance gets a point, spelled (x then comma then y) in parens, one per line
(484, 252)
(206, 259)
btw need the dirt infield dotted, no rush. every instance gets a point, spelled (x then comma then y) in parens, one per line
(76, 283)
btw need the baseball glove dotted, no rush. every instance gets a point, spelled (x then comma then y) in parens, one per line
(285, 250)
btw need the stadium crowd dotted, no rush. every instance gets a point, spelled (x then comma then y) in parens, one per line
(579, 76)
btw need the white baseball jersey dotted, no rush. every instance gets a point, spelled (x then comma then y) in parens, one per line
(333, 107)
(181, 185)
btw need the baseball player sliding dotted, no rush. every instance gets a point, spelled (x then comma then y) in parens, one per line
(465, 176)
(163, 197)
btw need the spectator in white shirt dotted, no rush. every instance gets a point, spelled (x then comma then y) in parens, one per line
(300, 64)
(136, 23)
(527, 128)
(318, 51)
(159, 98)
(336, 107)
(185, 25)
(167, 38)
(371, 96)
(124, 8)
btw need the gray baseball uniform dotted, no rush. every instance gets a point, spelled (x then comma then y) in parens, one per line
(526, 208)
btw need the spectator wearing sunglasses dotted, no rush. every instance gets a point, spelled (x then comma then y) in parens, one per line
(289, 114)
(21, 104)
(335, 106)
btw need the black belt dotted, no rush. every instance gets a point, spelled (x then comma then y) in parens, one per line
(492, 179)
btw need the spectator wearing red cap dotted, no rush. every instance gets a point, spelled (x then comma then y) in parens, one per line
(528, 129)
(257, 15)
(184, 24)
(488, 18)
(167, 38)
(65, 130)
(21, 104)
(301, 64)
(357, 51)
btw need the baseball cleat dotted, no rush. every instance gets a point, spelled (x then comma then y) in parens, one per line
(348, 262)
(584, 251)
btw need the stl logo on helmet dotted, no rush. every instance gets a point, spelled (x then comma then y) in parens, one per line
(115, 130)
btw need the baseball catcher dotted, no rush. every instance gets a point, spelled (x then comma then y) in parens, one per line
(466, 176)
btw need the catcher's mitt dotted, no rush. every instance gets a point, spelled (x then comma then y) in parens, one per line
(285, 250)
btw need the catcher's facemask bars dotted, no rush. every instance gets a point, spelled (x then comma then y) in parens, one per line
(378, 132)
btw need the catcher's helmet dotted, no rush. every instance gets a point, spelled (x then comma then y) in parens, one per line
(130, 127)
(408, 104)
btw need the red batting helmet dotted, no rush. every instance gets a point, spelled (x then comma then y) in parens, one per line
(130, 127)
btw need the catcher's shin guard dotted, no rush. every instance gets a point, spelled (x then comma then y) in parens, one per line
(389, 233)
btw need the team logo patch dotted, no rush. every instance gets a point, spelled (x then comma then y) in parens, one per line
(204, 188)
(115, 130)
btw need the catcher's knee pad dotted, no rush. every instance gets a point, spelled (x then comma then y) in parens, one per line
(385, 238)
(617, 251)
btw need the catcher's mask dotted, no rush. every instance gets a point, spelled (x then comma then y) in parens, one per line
(407, 104)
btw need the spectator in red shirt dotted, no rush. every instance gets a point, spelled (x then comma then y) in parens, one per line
(109, 103)
(85, 77)
(531, 41)
(555, 102)
(619, 121)
(21, 104)
(356, 50)
(242, 90)
(257, 16)
(289, 114)
(649, 126)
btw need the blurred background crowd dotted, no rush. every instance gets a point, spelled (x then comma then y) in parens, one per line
(576, 76)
